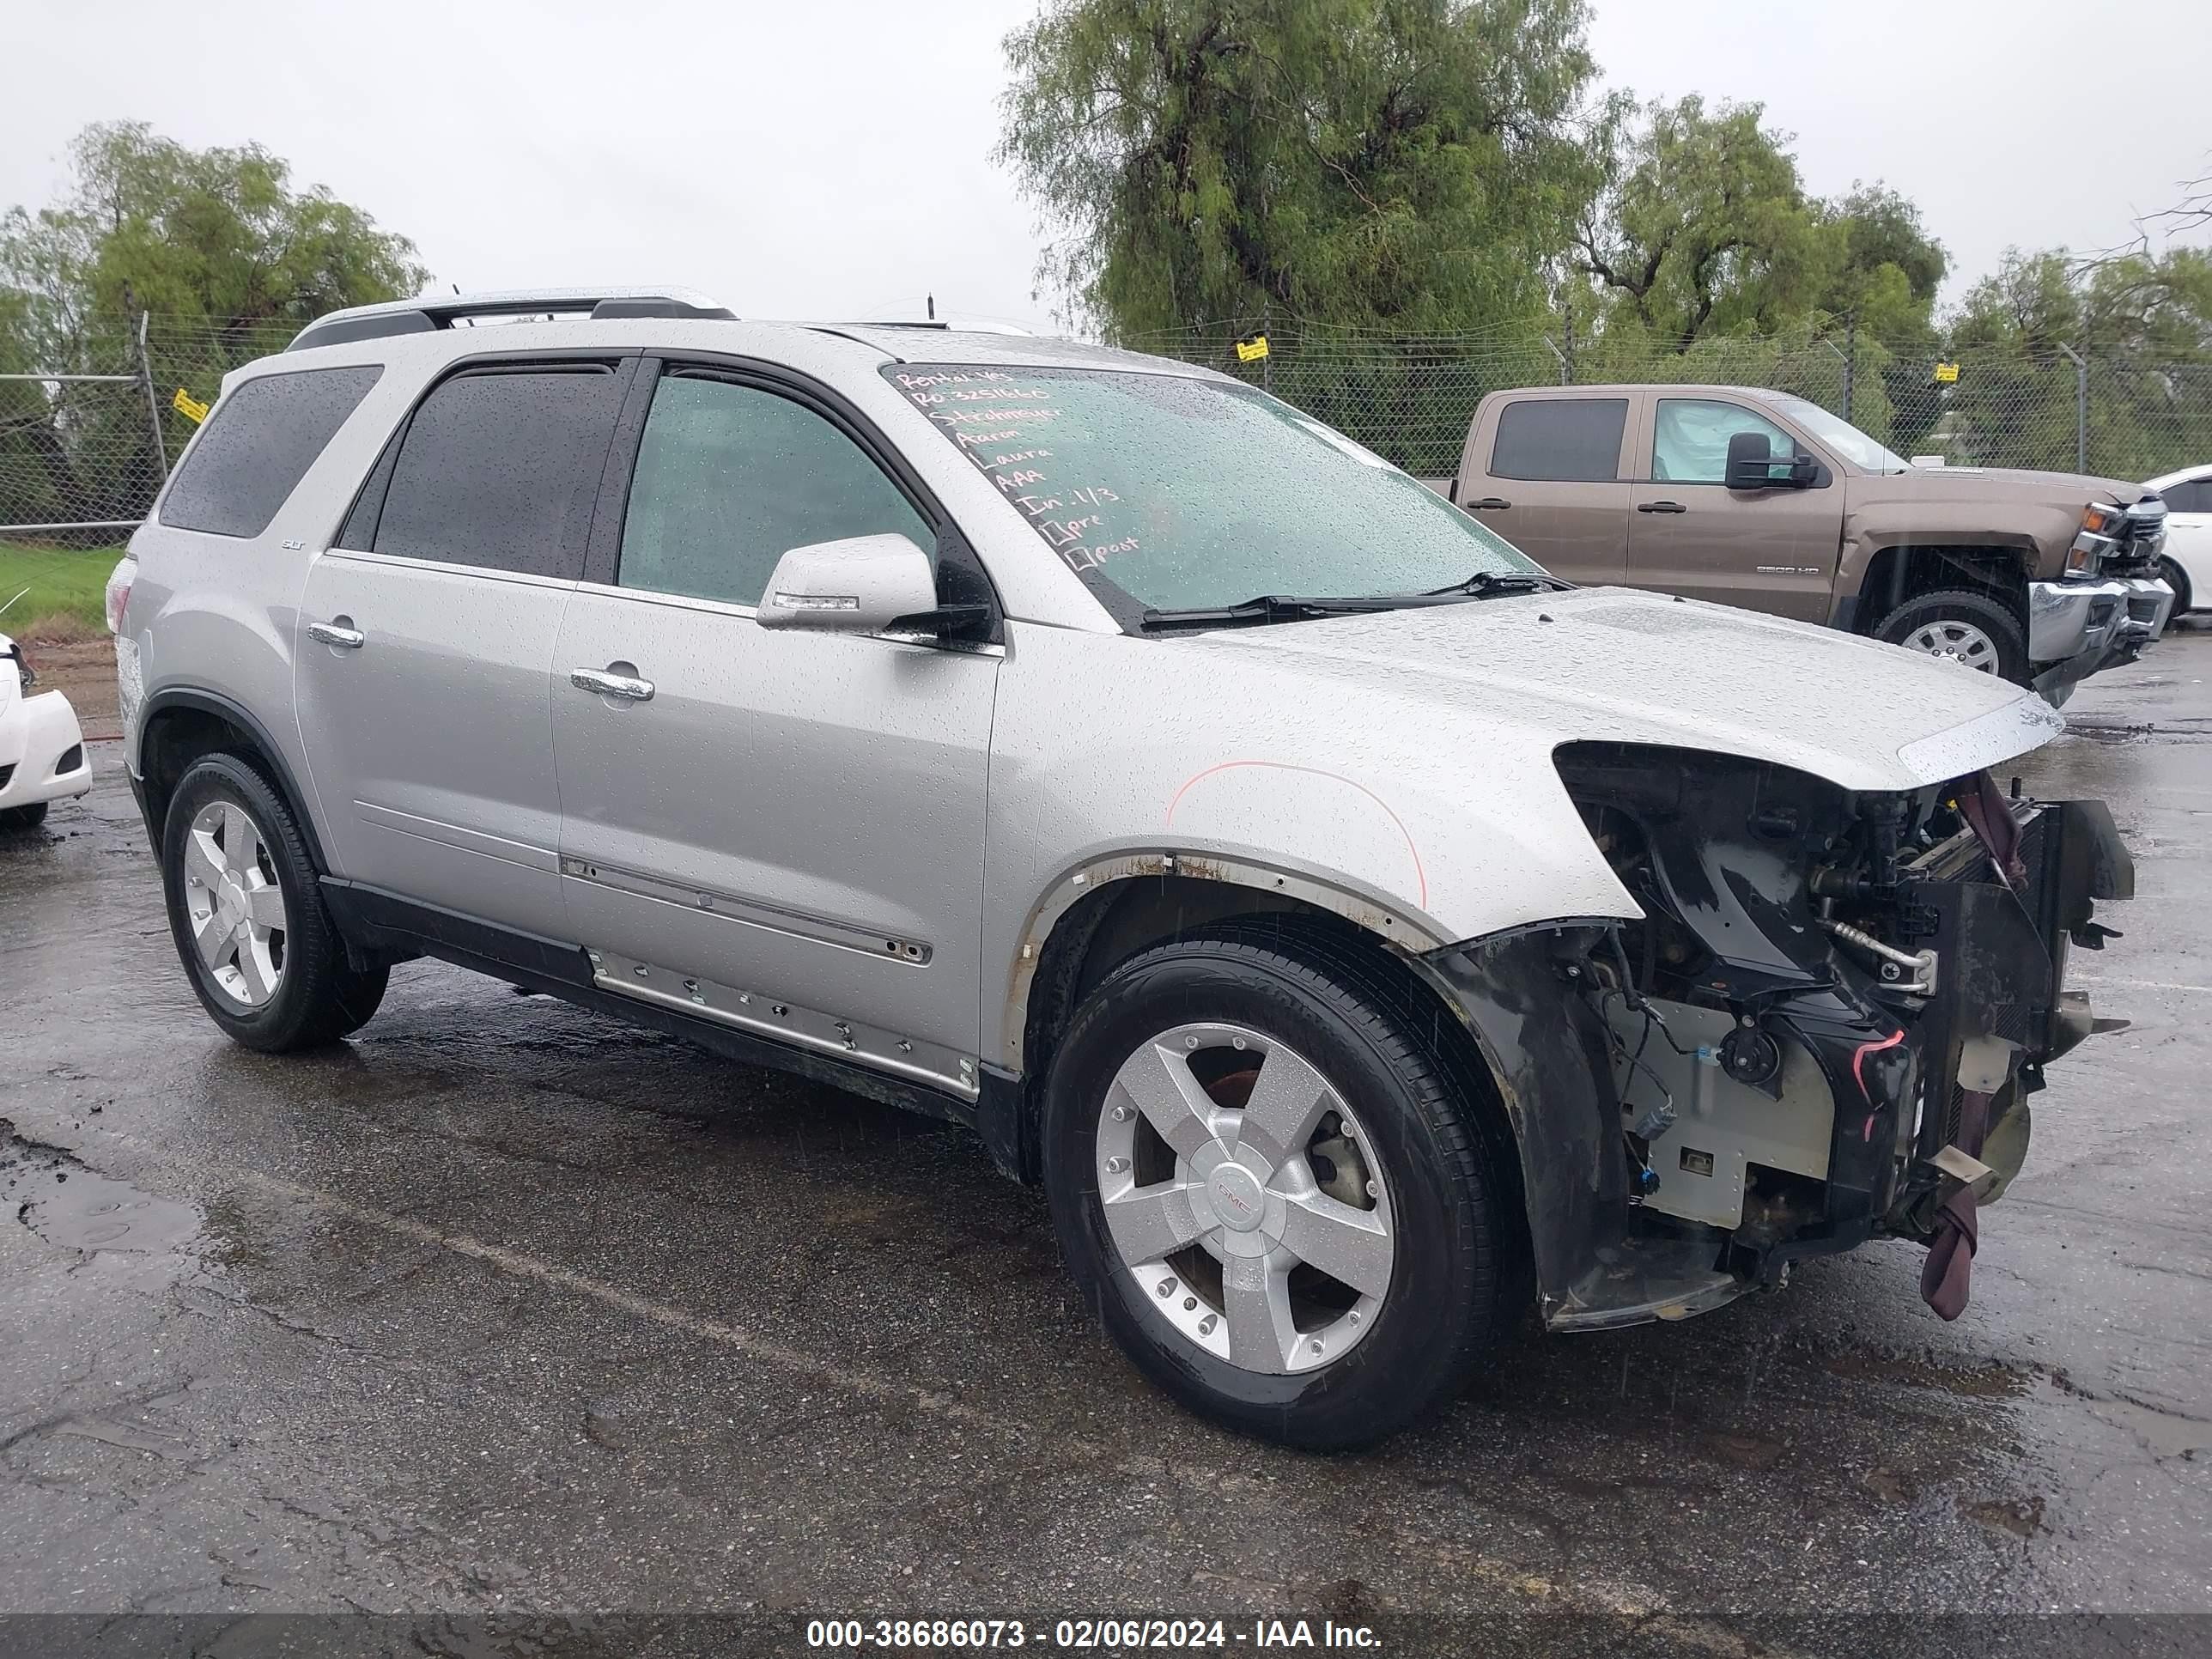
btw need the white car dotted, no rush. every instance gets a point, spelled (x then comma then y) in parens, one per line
(2187, 565)
(42, 756)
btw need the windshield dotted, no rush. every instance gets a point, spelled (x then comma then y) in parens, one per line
(1840, 435)
(1169, 492)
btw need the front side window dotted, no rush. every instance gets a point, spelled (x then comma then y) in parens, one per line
(1171, 492)
(1845, 439)
(730, 478)
(1567, 438)
(258, 447)
(499, 468)
(1690, 440)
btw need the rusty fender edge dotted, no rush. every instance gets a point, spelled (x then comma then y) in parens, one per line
(1520, 994)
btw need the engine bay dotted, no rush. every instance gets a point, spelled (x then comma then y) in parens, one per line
(1834, 1004)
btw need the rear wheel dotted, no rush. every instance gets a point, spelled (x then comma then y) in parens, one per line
(246, 909)
(23, 817)
(1263, 1182)
(1969, 629)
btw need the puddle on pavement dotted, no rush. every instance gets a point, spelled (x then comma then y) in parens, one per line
(2121, 733)
(69, 1205)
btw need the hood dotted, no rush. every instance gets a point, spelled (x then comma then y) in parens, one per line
(2072, 490)
(1614, 665)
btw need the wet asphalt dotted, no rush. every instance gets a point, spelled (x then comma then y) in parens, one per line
(502, 1307)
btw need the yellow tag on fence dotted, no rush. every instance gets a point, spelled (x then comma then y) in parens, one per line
(1253, 350)
(189, 406)
(1947, 375)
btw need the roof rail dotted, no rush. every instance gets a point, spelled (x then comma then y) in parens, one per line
(433, 312)
(938, 323)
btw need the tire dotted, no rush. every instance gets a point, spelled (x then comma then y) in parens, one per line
(1976, 628)
(277, 979)
(2172, 573)
(1384, 1360)
(16, 818)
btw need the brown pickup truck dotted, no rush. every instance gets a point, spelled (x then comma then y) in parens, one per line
(1763, 500)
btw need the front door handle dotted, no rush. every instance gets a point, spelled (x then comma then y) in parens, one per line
(1488, 504)
(338, 634)
(1661, 506)
(608, 685)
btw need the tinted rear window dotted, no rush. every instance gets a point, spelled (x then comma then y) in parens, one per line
(1576, 438)
(258, 446)
(499, 470)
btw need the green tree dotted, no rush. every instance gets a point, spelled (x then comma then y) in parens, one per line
(1704, 229)
(217, 242)
(146, 223)
(1406, 164)
(1883, 266)
(2142, 323)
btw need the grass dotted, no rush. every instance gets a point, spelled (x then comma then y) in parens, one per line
(65, 601)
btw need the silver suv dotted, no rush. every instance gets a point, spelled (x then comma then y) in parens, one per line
(1364, 936)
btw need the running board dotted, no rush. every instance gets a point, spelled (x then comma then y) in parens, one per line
(753, 1010)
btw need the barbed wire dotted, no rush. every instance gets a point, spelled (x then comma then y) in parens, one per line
(2059, 407)
(79, 452)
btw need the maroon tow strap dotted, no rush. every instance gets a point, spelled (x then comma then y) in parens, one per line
(1944, 1276)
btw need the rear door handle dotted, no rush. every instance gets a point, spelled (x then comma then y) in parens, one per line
(338, 634)
(611, 685)
(1488, 504)
(1661, 506)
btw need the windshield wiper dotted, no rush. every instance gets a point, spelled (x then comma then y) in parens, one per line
(1485, 583)
(1265, 608)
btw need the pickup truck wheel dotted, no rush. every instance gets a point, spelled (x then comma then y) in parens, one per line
(1263, 1183)
(1961, 627)
(246, 909)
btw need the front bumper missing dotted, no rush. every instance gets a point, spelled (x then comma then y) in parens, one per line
(1521, 995)
(1895, 1066)
(2077, 628)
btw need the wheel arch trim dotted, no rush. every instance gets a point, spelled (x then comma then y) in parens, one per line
(269, 752)
(1391, 925)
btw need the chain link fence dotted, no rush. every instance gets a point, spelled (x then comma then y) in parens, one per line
(90, 425)
(2061, 408)
(87, 435)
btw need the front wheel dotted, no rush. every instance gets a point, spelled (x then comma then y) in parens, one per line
(16, 818)
(1970, 628)
(1264, 1183)
(246, 908)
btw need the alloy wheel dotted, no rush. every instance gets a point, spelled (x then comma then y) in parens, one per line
(1241, 1197)
(1955, 641)
(234, 903)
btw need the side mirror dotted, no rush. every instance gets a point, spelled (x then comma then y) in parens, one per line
(860, 585)
(1750, 461)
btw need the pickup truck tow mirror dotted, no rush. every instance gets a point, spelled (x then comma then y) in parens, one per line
(1751, 464)
(859, 585)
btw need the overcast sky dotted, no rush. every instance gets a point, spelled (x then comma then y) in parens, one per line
(832, 158)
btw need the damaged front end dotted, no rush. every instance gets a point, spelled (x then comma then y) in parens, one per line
(1826, 1027)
